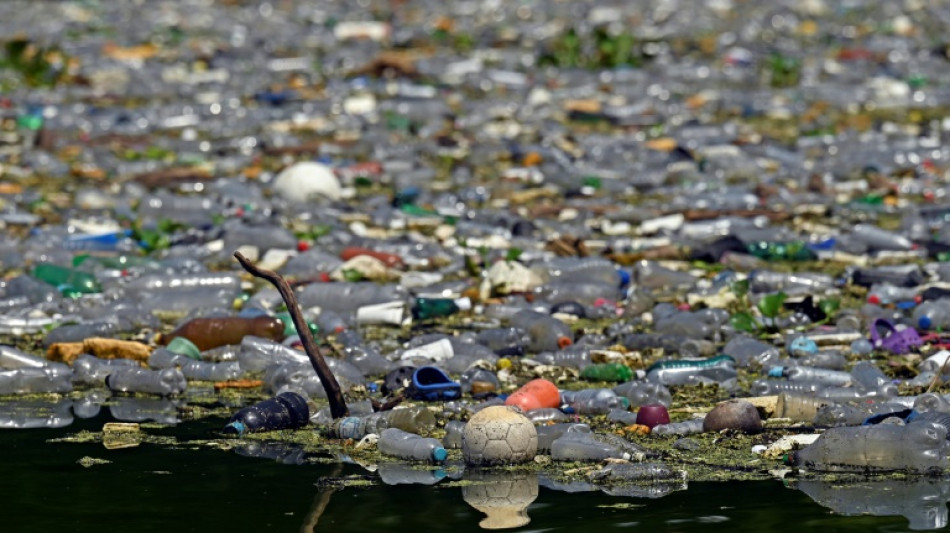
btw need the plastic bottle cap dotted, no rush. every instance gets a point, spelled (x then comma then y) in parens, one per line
(464, 304)
(924, 322)
(874, 299)
(439, 454)
(564, 342)
(183, 346)
(624, 277)
(776, 371)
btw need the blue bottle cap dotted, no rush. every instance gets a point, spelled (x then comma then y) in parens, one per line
(239, 427)
(439, 454)
(906, 304)
(924, 322)
(776, 371)
(624, 277)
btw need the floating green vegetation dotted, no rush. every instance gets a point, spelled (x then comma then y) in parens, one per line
(34, 65)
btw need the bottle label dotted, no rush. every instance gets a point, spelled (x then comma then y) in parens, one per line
(348, 428)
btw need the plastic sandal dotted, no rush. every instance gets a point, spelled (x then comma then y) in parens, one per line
(896, 341)
(431, 383)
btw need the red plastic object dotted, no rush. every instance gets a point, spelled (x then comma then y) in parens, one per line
(535, 394)
(652, 415)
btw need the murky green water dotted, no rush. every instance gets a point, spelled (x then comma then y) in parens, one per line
(190, 488)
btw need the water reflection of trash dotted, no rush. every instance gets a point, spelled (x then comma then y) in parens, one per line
(29, 414)
(404, 474)
(923, 501)
(284, 453)
(504, 497)
(633, 480)
(160, 410)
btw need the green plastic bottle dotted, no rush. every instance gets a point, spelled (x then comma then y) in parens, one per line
(426, 308)
(290, 329)
(781, 251)
(69, 281)
(607, 372)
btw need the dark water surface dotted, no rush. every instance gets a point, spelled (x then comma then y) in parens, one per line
(192, 488)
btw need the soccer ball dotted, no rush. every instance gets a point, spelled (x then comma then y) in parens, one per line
(499, 435)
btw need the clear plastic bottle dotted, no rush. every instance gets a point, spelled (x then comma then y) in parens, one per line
(12, 358)
(834, 378)
(720, 369)
(548, 433)
(405, 445)
(257, 353)
(504, 341)
(80, 332)
(346, 297)
(415, 419)
(749, 351)
(880, 239)
(581, 269)
(54, 378)
(579, 446)
(644, 392)
(912, 448)
(934, 314)
(687, 427)
(868, 376)
(167, 382)
(546, 332)
(592, 401)
(453, 435)
(90, 370)
(207, 371)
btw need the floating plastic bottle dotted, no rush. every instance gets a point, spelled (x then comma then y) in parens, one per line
(167, 382)
(913, 448)
(644, 392)
(67, 280)
(546, 332)
(405, 445)
(12, 358)
(90, 370)
(720, 369)
(592, 401)
(579, 446)
(429, 308)
(607, 372)
(54, 377)
(207, 333)
(824, 376)
(416, 419)
(688, 427)
(285, 411)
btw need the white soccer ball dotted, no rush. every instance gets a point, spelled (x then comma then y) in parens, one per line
(499, 435)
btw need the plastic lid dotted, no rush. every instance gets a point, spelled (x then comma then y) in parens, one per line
(564, 342)
(924, 322)
(776, 371)
(439, 454)
(183, 346)
(464, 304)
(624, 277)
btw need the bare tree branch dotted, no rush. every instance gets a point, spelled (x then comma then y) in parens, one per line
(338, 407)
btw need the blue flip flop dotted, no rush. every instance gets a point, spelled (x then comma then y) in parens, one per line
(431, 384)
